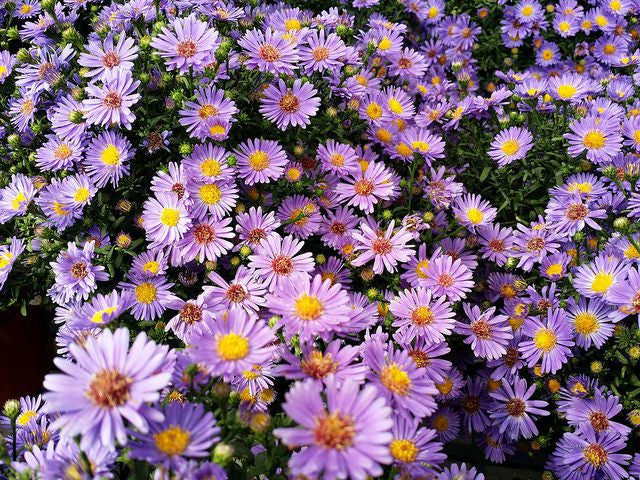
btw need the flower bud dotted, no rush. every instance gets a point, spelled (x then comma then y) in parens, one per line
(621, 224)
(321, 259)
(12, 409)
(245, 251)
(14, 141)
(222, 453)
(185, 149)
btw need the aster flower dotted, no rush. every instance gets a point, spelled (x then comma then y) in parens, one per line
(321, 51)
(75, 274)
(597, 138)
(105, 56)
(531, 245)
(7, 61)
(254, 226)
(449, 277)
(213, 199)
(206, 239)
(8, 255)
(596, 414)
(46, 68)
(515, 412)
(548, 341)
(595, 279)
(300, 215)
(290, 106)
(337, 226)
(309, 307)
(22, 109)
(190, 313)
(460, 471)
(150, 296)
(415, 451)
(210, 105)
(190, 44)
(418, 314)
(107, 158)
(592, 454)
(67, 118)
(165, 220)
(59, 213)
(365, 188)
(386, 248)
(570, 87)
(399, 380)
(187, 431)
(16, 197)
(475, 403)
(495, 243)
(488, 334)
(510, 145)
(626, 294)
(276, 260)
(338, 158)
(353, 428)
(110, 104)
(260, 161)
(98, 390)
(230, 345)
(471, 211)
(592, 321)
(269, 52)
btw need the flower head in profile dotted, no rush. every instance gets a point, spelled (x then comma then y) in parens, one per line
(97, 390)
(345, 437)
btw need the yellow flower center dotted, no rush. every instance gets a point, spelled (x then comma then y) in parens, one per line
(5, 259)
(374, 111)
(210, 167)
(292, 24)
(3, 70)
(475, 216)
(308, 307)
(26, 9)
(631, 252)
(259, 160)
(586, 323)
(170, 217)
(422, 316)
(25, 417)
(97, 317)
(395, 106)
(433, 12)
(554, 269)
(404, 450)
(609, 49)
(510, 147)
(385, 43)
(547, 54)
(602, 282)
(594, 139)
(151, 266)
(210, 194)
(445, 387)
(441, 423)
(566, 91)
(82, 194)
(544, 339)
(217, 130)
(395, 379)
(564, 26)
(423, 147)
(110, 155)
(232, 347)
(58, 208)
(421, 268)
(172, 441)
(145, 292)
(18, 200)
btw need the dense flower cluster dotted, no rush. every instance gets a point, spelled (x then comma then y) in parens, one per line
(290, 241)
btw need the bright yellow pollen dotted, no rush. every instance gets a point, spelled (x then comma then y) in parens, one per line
(26, 9)
(232, 347)
(210, 193)
(172, 441)
(385, 43)
(151, 266)
(58, 208)
(602, 282)
(566, 91)
(308, 307)
(97, 317)
(609, 49)
(422, 147)
(395, 106)
(110, 155)
(615, 5)
(404, 150)
(292, 24)
(259, 160)
(601, 21)
(170, 217)
(445, 387)
(631, 252)
(5, 259)
(20, 198)
(3, 70)
(210, 167)
(421, 268)
(586, 323)
(564, 26)
(433, 12)
(217, 130)
(81, 195)
(547, 54)
(526, 10)
(404, 450)
(554, 269)
(584, 187)
(510, 147)
(145, 292)
(544, 339)
(25, 417)
(593, 139)
(374, 111)
(395, 379)
(475, 216)
(384, 135)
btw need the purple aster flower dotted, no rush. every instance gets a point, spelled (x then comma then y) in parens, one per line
(286, 106)
(23, 109)
(554, 267)
(488, 334)
(254, 226)
(165, 219)
(150, 296)
(548, 340)
(190, 313)
(495, 243)
(189, 45)
(208, 163)
(596, 414)
(475, 403)
(187, 431)
(105, 56)
(269, 51)
(626, 294)
(59, 154)
(206, 239)
(245, 291)
(96, 460)
(589, 455)
(148, 264)
(321, 52)
(98, 389)
(309, 307)
(8, 255)
(335, 363)
(16, 197)
(399, 380)
(460, 471)
(446, 423)
(46, 69)
(353, 428)
(472, 211)
(103, 309)
(531, 245)
(449, 277)
(418, 314)
(260, 161)
(67, 118)
(215, 199)
(595, 279)
(515, 412)
(386, 249)
(110, 104)
(415, 451)
(599, 139)
(276, 260)
(592, 321)
(571, 87)
(337, 226)
(7, 61)
(75, 274)
(59, 213)
(338, 158)
(210, 104)
(230, 345)
(511, 145)
(365, 188)
(107, 159)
